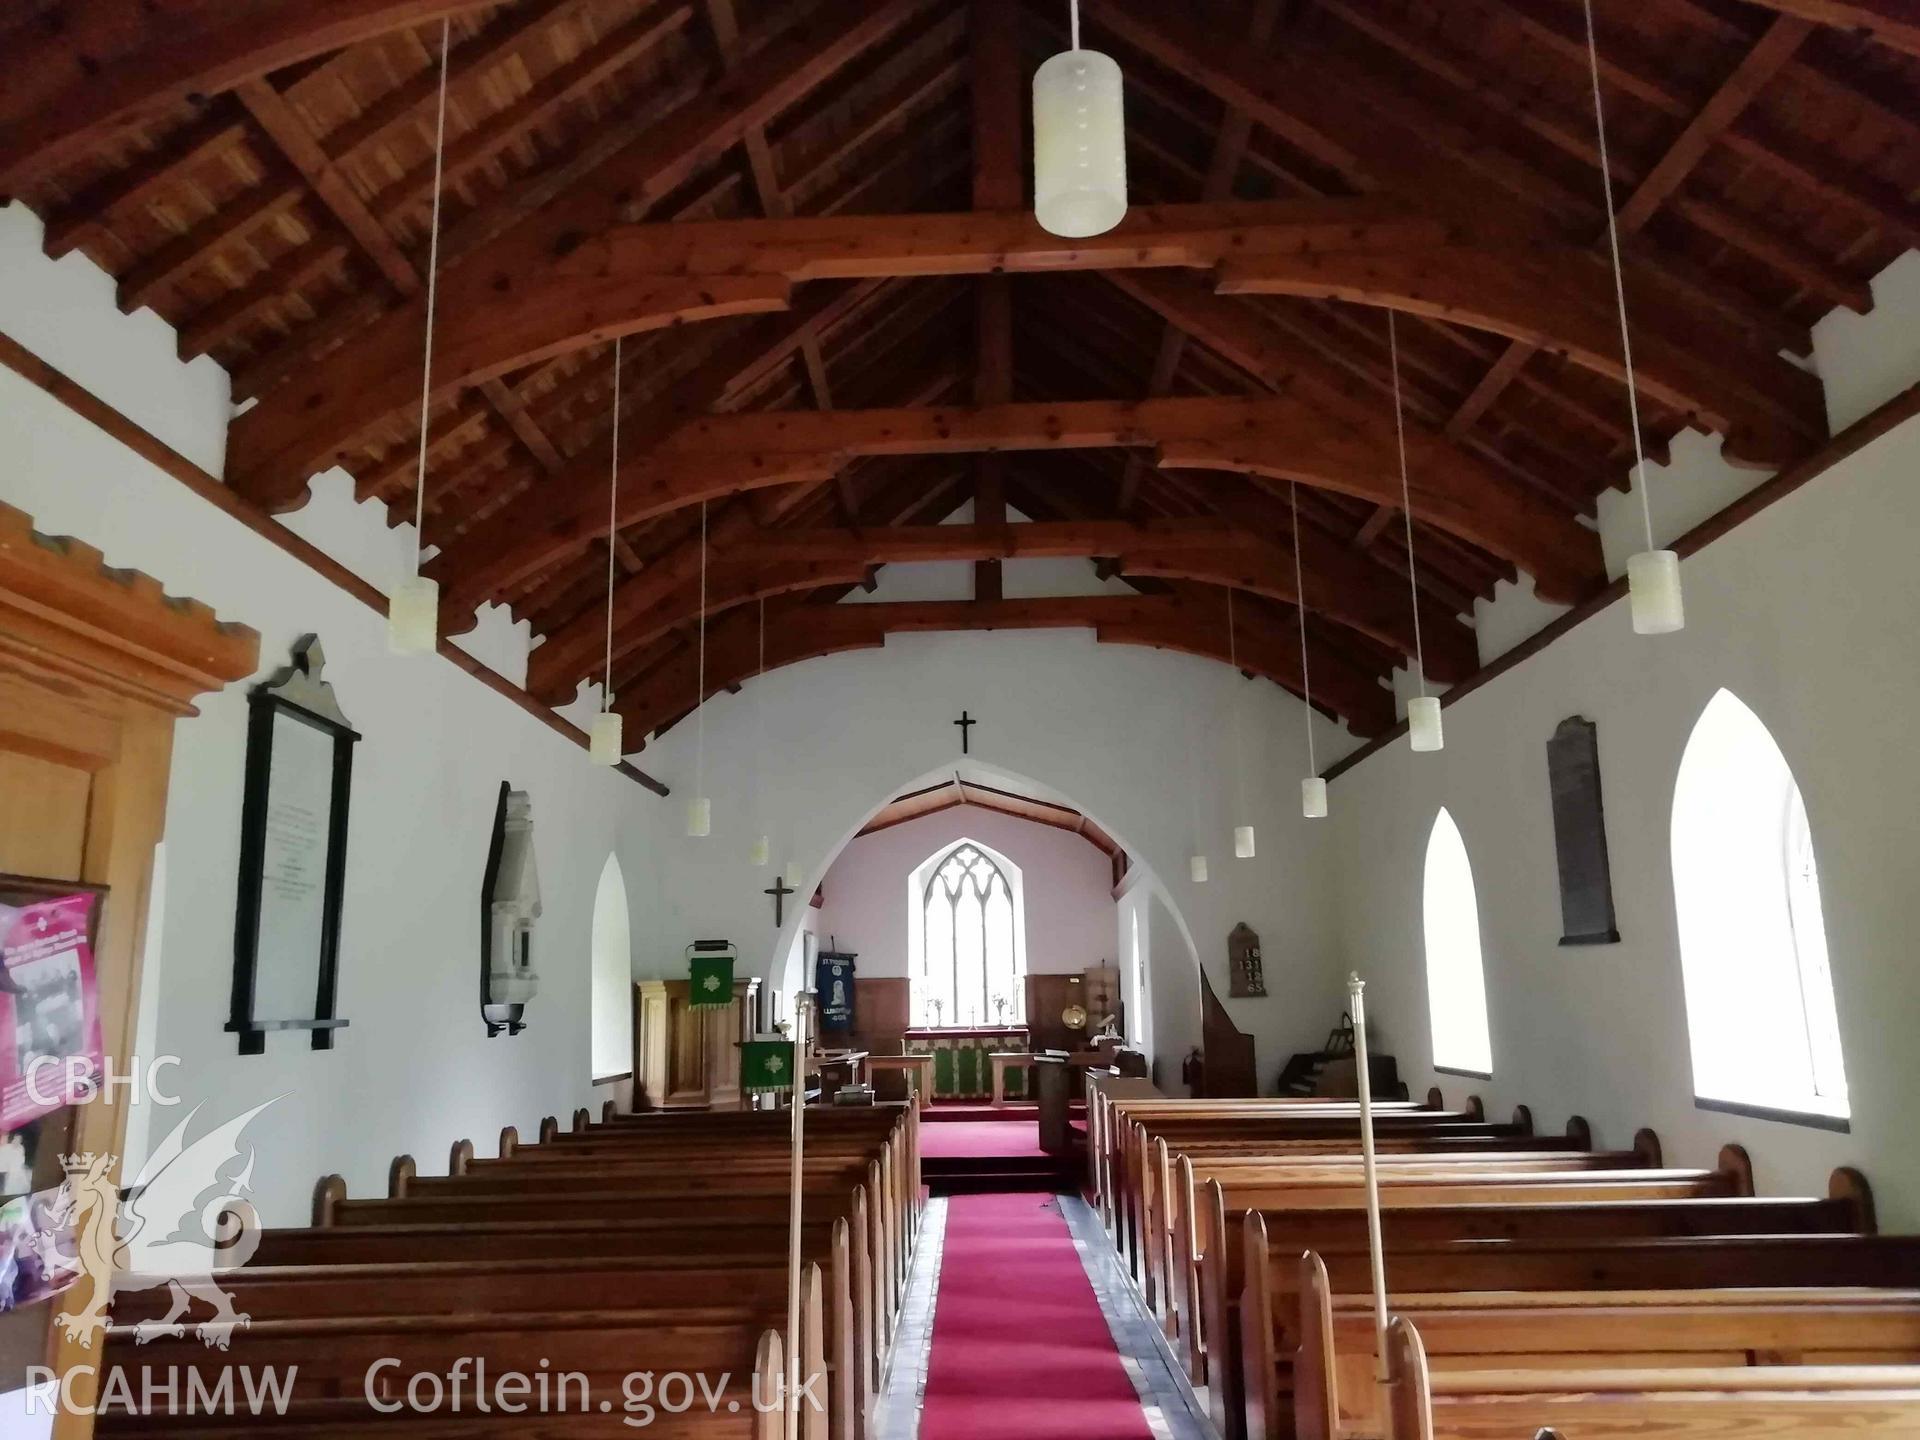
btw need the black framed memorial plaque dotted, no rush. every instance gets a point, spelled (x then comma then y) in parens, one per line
(293, 856)
(1580, 835)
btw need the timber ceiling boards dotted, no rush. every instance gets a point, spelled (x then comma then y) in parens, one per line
(261, 182)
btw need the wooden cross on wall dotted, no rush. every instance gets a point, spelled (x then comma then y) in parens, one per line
(966, 723)
(779, 890)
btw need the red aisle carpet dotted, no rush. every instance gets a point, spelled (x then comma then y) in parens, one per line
(1020, 1348)
(977, 1139)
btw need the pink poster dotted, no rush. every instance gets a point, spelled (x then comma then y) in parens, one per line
(50, 1049)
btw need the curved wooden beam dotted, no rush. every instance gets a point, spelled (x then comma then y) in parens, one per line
(1277, 437)
(805, 632)
(538, 300)
(764, 563)
(571, 653)
(89, 69)
(1769, 411)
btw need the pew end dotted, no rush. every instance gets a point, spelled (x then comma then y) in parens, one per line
(509, 1141)
(607, 1111)
(1648, 1150)
(1259, 1396)
(769, 1376)
(1579, 1132)
(328, 1193)
(1523, 1119)
(1316, 1388)
(460, 1157)
(1735, 1161)
(1409, 1399)
(1849, 1185)
(1477, 1108)
(1435, 1100)
(400, 1176)
(582, 1120)
(549, 1129)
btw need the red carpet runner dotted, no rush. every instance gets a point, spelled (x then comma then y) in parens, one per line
(1020, 1348)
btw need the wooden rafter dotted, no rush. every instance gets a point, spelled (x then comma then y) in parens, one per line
(99, 66)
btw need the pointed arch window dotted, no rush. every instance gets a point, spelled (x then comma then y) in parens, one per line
(1762, 1024)
(968, 931)
(1456, 973)
(612, 975)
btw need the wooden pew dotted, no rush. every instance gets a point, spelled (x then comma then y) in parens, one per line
(1805, 1402)
(1216, 1273)
(1256, 1398)
(336, 1361)
(1336, 1396)
(1162, 1199)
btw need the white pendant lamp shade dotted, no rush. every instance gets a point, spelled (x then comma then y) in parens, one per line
(413, 616)
(1197, 869)
(760, 852)
(1079, 144)
(1243, 842)
(605, 737)
(1653, 591)
(699, 817)
(1313, 798)
(1423, 723)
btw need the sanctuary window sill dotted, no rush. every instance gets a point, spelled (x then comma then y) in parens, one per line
(1811, 1119)
(1463, 1074)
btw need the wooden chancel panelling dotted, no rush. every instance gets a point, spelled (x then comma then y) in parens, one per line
(809, 221)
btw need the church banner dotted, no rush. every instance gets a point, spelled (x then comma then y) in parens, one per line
(766, 1065)
(833, 984)
(710, 980)
(50, 1045)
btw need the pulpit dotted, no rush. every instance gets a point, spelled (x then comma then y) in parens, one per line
(687, 1058)
(963, 1063)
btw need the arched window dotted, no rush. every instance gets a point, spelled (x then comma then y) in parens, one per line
(968, 932)
(1456, 979)
(1753, 943)
(612, 974)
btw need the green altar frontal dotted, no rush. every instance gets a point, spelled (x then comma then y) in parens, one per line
(961, 1068)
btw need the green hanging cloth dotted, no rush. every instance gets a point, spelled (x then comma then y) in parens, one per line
(710, 980)
(766, 1065)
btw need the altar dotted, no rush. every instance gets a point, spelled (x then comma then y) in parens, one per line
(962, 1063)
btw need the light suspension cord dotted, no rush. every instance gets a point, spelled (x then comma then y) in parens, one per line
(1619, 282)
(613, 527)
(1073, 22)
(1300, 599)
(1406, 502)
(1233, 661)
(700, 699)
(433, 295)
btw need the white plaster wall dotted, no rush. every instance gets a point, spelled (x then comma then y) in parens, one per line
(414, 1070)
(1807, 613)
(1173, 986)
(1137, 739)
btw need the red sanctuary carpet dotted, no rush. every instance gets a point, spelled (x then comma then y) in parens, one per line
(1020, 1348)
(979, 1139)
